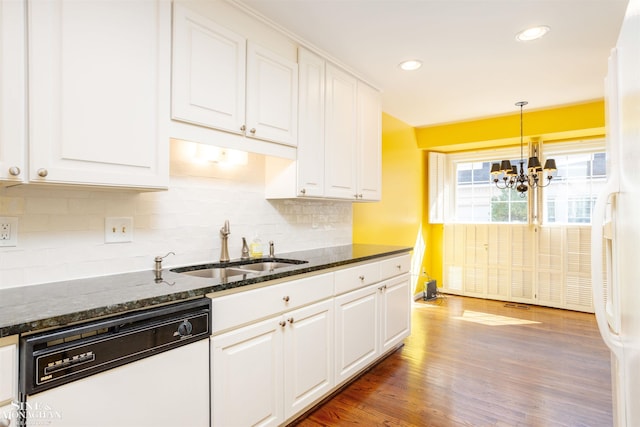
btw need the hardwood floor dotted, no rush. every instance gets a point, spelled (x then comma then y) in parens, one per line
(473, 362)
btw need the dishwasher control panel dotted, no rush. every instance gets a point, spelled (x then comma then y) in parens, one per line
(57, 357)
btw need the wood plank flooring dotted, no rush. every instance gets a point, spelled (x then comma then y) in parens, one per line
(474, 362)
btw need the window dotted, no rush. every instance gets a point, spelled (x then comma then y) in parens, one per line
(569, 199)
(479, 200)
(573, 191)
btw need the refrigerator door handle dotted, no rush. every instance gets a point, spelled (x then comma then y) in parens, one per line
(603, 243)
(612, 305)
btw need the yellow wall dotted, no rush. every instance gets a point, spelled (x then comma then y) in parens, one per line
(401, 218)
(396, 219)
(584, 120)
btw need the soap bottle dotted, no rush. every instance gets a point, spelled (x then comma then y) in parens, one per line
(255, 249)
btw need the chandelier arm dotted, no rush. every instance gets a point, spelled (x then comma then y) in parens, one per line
(548, 181)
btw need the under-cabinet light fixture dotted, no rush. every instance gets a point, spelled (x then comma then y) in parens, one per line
(221, 156)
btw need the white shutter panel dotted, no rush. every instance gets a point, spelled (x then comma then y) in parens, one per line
(498, 261)
(550, 251)
(475, 259)
(522, 260)
(578, 277)
(437, 183)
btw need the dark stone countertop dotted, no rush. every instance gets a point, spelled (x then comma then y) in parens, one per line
(31, 308)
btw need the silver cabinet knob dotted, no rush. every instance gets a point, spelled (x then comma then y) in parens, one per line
(290, 320)
(282, 323)
(361, 278)
(303, 191)
(42, 172)
(253, 131)
(14, 170)
(285, 298)
(243, 128)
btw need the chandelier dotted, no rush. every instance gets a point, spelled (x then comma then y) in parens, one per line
(517, 179)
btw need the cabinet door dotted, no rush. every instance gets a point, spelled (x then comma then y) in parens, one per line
(369, 155)
(9, 415)
(395, 311)
(208, 81)
(356, 331)
(8, 374)
(340, 134)
(310, 167)
(272, 96)
(12, 90)
(99, 92)
(308, 355)
(247, 377)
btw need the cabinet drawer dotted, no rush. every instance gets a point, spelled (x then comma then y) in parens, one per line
(395, 266)
(357, 277)
(248, 306)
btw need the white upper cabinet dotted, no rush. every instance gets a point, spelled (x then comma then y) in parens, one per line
(340, 134)
(369, 148)
(310, 167)
(223, 81)
(12, 90)
(339, 137)
(208, 81)
(272, 96)
(99, 92)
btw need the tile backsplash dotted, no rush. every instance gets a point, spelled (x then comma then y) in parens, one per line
(61, 229)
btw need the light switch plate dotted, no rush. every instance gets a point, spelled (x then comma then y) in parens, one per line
(118, 229)
(8, 231)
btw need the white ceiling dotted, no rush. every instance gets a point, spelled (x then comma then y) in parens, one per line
(473, 66)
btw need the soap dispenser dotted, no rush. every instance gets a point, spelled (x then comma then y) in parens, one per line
(256, 247)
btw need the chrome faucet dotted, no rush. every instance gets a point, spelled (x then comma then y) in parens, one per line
(224, 235)
(271, 249)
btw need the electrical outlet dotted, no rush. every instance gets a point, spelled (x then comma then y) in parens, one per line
(118, 229)
(8, 231)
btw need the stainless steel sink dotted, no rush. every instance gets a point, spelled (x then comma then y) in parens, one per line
(237, 268)
(264, 266)
(214, 273)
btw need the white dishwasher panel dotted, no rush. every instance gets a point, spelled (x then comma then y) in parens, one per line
(168, 389)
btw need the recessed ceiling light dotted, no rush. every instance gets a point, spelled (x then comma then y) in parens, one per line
(532, 33)
(410, 65)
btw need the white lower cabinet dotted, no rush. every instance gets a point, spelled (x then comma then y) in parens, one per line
(266, 372)
(369, 322)
(356, 331)
(279, 349)
(8, 380)
(395, 311)
(246, 376)
(308, 356)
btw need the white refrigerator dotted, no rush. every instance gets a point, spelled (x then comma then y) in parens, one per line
(616, 225)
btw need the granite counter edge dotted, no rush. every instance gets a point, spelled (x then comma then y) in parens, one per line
(59, 321)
